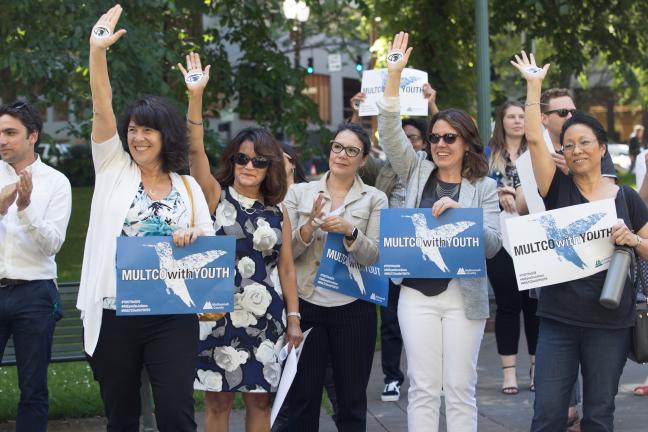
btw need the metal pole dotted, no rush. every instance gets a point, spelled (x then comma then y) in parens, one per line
(483, 71)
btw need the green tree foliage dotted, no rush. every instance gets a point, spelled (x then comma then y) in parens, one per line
(44, 56)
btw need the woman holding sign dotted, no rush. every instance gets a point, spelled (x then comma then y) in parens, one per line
(575, 329)
(342, 327)
(442, 320)
(241, 351)
(137, 193)
(507, 144)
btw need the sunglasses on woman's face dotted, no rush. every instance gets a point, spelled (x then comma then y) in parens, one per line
(257, 161)
(448, 138)
(563, 112)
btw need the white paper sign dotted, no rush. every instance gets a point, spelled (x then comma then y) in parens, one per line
(562, 245)
(412, 101)
(287, 377)
(640, 168)
(334, 62)
(504, 215)
(527, 178)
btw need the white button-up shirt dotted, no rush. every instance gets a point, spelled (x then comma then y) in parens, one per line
(30, 238)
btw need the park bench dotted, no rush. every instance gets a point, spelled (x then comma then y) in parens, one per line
(67, 346)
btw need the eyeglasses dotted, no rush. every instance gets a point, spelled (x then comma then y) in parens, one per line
(563, 112)
(257, 161)
(414, 138)
(448, 138)
(351, 151)
(568, 148)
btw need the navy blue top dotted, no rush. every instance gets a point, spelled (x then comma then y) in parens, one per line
(577, 302)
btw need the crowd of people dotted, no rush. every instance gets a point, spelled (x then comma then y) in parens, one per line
(259, 187)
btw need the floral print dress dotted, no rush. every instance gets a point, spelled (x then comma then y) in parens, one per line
(240, 352)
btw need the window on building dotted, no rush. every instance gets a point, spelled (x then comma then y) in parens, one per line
(318, 88)
(61, 111)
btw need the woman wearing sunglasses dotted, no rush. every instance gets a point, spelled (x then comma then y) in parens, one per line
(240, 351)
(342, 327)
(589, 335)
(442, 320)
(137, 193)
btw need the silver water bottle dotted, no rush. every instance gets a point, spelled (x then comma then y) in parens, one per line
(616, 277)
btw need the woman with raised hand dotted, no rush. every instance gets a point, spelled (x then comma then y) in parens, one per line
(343, 328)
(442, 320)
(137, 193)
(506, 145)
(240, 352)
(589, 335)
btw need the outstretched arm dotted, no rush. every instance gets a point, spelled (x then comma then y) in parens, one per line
(104, 124)
(196, 79)
(544, 167)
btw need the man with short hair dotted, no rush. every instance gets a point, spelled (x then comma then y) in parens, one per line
(35, 205)
(557, 105)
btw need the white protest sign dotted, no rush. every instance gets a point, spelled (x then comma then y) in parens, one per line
(412, 101)
(287, 377)
(334, 62)
(562, 245)
(527, 178)
(640, 168)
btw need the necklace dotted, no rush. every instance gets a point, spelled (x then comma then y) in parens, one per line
(446, 189)
(246, 204)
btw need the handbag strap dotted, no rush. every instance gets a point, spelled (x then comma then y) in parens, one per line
(635, 259)
(191, 199)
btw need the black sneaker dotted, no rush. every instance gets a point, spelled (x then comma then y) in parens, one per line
(391, 393)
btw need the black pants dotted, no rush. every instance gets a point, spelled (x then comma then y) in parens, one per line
(346, 333)
(28, 313)
(510, 302)
(390, 337)
(166, 345)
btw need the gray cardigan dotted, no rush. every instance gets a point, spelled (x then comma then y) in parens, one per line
(414, 167)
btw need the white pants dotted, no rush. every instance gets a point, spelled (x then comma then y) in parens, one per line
(442, 347)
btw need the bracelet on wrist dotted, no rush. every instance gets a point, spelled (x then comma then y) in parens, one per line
(295, 314)
(195, 123)
(639, 241)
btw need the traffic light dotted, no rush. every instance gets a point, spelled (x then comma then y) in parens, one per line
(309, 68)
(359, 63)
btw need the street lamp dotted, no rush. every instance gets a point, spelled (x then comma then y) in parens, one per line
(298, 13)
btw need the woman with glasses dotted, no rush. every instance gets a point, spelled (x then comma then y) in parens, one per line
(507, 144)
(240, 352)
(137, 193)
(575, 329)
(342, 327)
(442, 320)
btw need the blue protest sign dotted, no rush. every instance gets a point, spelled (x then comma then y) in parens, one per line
(340, 273)
(154, 277)
(413, 243)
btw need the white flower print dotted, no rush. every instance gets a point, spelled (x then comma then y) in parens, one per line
(264, 237)
(276, 281)
(241, 317)
(272, 374)
(205, 328)
(225, 215)
(254, 299)
(210, 380)
(246, 267)
(229, 358)
(265, 353)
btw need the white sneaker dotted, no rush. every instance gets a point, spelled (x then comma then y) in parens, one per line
(391, 393)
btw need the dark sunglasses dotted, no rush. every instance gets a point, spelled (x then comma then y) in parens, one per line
(257, 161)
(351, 151)
(17, 106)
(448, 138)
(561, 112)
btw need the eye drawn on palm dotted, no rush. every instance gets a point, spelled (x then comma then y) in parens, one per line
(528, 67)
(103, 33)
(398, 53)
(195, 76)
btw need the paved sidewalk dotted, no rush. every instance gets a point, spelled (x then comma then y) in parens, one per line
(497, 412)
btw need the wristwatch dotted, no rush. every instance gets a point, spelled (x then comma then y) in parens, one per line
(295, 314)
(354, 234)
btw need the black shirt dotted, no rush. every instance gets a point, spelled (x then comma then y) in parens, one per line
(577, 302)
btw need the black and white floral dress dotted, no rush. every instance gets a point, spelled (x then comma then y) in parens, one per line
(240, 352)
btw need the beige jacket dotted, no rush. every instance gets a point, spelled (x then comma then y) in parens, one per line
(361, 207)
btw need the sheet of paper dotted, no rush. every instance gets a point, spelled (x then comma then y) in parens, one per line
(527, 178)
(640, 168)
(287, 377)
(412, 101)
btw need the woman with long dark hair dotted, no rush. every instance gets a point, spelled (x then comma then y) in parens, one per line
(240, 352)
